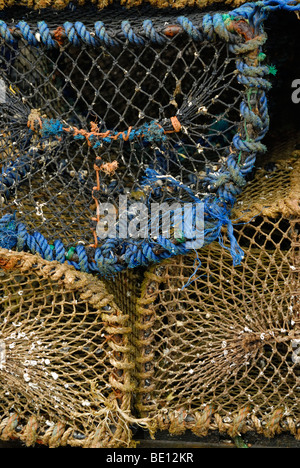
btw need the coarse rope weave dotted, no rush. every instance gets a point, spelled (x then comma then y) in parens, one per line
(62, 4)
(177, 4)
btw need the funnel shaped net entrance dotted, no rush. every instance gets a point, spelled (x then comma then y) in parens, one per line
(219, 347)
(64, 357)
(104, 122)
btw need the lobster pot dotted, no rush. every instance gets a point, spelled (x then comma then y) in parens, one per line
(219, 345)
(64, 357)
(145, 104)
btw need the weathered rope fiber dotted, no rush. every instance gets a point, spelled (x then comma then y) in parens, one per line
(78, 33)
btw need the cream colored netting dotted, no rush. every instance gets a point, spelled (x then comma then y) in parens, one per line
(221, 351)
(64, 357)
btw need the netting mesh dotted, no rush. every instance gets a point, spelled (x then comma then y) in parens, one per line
(218, 349)
(168, 109)
(125, 88)
(157, 111)
(64, 357)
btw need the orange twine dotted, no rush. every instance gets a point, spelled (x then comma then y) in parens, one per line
(109, 168)
(125, 135)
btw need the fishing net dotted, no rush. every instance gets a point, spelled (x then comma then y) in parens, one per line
(157, 108)
(142, 109)
(64, 357)
(219, 347)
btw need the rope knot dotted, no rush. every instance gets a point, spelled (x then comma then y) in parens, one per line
(34, 121)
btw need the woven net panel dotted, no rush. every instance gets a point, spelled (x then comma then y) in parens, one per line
(126, 289)
(218, 345)
(132, 105)
(64, 357)
(275, 190)
(61, 4)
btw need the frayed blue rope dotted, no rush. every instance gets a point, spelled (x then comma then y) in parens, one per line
(272, 5)
(14, 172)
(132, 252)
(217, 214)
(8, 232)
(152, 34)
(46, 37)
(193, 277)
(130, 35)
(51, 127)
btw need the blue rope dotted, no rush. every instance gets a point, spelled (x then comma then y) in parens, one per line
(84, 34)
(190, 29)
(71, 34)
(272, 5)
(130, 34)
(27, 33)
(220, 28)
(152, 34)
(210, 27)
(6, 34)
(46, 37)
(151, 132)
(135, 253)
(103, 35)
(15, 171)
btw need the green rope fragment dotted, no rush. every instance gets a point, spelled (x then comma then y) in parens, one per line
(239, 443)
(227, 19)
(261, 56)
(272, 69)
(181, 239)
(70, 253)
